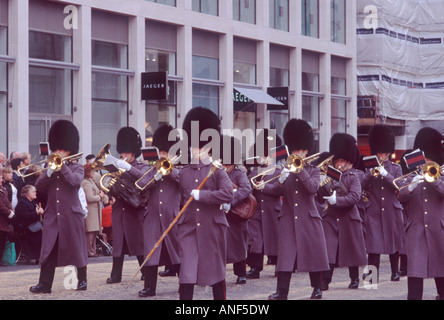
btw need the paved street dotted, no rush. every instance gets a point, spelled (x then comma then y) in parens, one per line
(15, 282)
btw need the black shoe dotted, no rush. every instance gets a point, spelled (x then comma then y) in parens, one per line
(365, 275)
(113, 279)
(147, 292)
(402, 273)
(82, 285)
(253, 274)
(40, 288)
(354, 284)
(167, 273)
(317, 294)
(241, 280)
(395, 277)
(278, 296)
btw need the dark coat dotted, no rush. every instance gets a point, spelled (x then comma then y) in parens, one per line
(343, 224)
(25, 214)
(5, 210)
(425, 229)
(263, 226)
(63, 217)
(237, 234)
(301, 234)
(163, 207)
(128, 222)
(383, 212)
(202, 229)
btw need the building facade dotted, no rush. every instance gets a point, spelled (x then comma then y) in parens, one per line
(83, 60)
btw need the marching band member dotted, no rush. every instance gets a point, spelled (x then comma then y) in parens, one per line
(237, 232)
(383, 216)
(63, 239)
(127, 221)
(263, 226)
(425, 228)
(163, 206)
(301, 235)
(341, 219)
(202, 229)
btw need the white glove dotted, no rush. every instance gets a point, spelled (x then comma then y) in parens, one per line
(260, 186)
(195, 194)
(11, 215)
(226, 207)
(110, 160)
(285, 174)
(49, 172)
(416, 180)
(158, 176)
(332, 199)
(122, 164)
(382, 171)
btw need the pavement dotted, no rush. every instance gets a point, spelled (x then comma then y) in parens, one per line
(15, 282)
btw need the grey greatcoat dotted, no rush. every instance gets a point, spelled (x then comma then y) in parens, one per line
(383, 212)
(263, 226)
(163, 207)
(202, 229)
(301, 234)
(127, 221)
(425, 229)
(343, 224)
(238, 230)
(63, 217)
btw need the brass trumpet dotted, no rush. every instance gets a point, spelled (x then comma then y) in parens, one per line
(323, 166)
(295, 164)
(431, 172)
(54, 162)
(375, 172)
(164, 166)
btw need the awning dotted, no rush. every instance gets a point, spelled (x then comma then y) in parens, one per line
(258, 96)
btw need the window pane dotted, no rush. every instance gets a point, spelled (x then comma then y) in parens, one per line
(167, 2)
(156, 116)
(338, 86)
(279, 14)
(50, 46)
(3, 123)
(50, 91)
(338, 116)
(279, 77)
(3, 40)
(109, 87)
(338, 21)
(109, 54)
(160, 61)
(278, 120)
(310, 82)
(205, 68)
(244, 73)
(310, 113)
(206, 6)
(244, 10)
(206, 96)
(310, 18)
(107, 119)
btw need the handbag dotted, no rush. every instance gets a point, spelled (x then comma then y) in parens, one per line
(35, 227)
(9, 254)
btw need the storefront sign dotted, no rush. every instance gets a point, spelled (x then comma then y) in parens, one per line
(154, 86)
(281, 95)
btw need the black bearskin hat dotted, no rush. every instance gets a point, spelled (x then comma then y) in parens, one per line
(344, 146)
(298, 135)
(233, 147)
(381, 139)
(64, 135)
(206, 119)
(430, 141)
(160, 138)
(129, 141)
(265, 138)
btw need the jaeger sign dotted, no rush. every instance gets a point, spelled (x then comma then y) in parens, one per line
(154, 85)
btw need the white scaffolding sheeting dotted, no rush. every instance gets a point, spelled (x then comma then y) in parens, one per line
(402, 60)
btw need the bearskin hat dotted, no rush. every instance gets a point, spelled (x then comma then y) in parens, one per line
(129, 141)
(64, 135)
(160, 138)
(298, 135)
(344, 146)
(206, 119)
(381, 139)
(231, 150)
(430, 141)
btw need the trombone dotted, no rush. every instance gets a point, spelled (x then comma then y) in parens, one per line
(431, 172)
(295, 164)
(375, 172)
(164, 166)
(54, 162)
